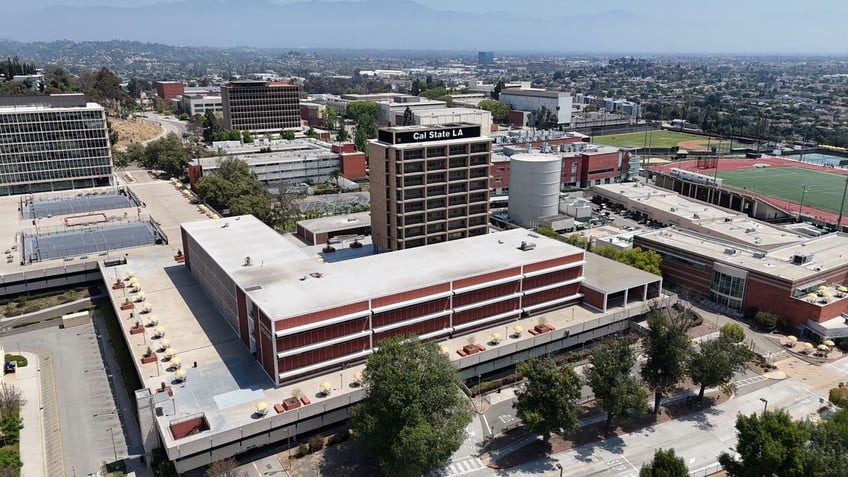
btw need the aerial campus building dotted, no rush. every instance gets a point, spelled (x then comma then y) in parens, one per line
(261, 106)
(51, 143)
(429, 184)
(740, 263)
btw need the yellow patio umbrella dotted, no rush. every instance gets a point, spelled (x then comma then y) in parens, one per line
(812, 296)
(170, 352)
(842, 288)
(176, 361)
(808, 346)
(496, 336)
(216, 216)
(140, 295)
(261, 407)
(357, 376)
(133, 279)
(153, 320)
(326, 386)
(165, 343)
(827, 295)
(130, 274)
(444, 349)
(823, 347)
(791, 339)
(828, 343)
(822, 287)
(517, 328)
(159, 331)
(180, 373)
(146, 307)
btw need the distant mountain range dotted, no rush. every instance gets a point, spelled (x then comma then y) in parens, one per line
(404, 24)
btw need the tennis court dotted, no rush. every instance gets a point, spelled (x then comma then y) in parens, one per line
(76, 205)
(823, 190)
(81, 242)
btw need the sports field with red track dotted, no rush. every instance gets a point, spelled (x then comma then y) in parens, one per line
(780, 182)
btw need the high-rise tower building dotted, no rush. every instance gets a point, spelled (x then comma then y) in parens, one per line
(429, 184)
(54, 142)
(261, 106)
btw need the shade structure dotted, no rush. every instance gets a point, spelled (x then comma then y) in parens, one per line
(165, 343)
(811, 296)
(180, 373)
(261, 407)
(146, 307)
(828, 343)
(822, 287)
(823, 347)
(133, 279)
(158, 331)
(842, 289)
(444, 349)
(216, 216)
(826, 294)
(170, 352)
(176, 361)
(186, 192)
(791, 339)
(140, 295)
(517, 328)
(153, 320)
(326, 386)
(808, 345)
(496, 336)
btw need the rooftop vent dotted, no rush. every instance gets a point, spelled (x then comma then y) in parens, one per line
(730, 251)
(247, 261)
(759, 255)
(525, 246)
(802, 258)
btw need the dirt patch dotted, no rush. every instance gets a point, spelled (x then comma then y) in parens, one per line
(682, 409)
(133, 130)
(345, 458)
(693, 145)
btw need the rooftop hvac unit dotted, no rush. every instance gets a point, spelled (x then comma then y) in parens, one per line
(759, 255)
(525, 246)
(802, 258)
(730, 251)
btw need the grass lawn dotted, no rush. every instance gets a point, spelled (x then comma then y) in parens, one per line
(658, 139)
(824, 190)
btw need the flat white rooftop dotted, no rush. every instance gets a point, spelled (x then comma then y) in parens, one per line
(278, 269)
(336, 222)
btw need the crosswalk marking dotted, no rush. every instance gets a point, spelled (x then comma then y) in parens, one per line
(460, 467)
(749, 381)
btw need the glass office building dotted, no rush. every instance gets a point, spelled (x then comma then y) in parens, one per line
(50, 143)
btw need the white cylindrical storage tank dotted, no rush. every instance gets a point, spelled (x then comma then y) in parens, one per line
(534, 183)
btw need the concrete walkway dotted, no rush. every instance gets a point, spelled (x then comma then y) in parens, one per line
(27, 381)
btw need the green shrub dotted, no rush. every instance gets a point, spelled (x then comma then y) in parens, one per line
(20, 360)
(838, 396)
(10, 460)
(338, 437)
(316, 443)
(750, 312)
(302, 449)
(765, 320)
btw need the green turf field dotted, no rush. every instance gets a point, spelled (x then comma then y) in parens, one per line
(657, 139)
(824, 190)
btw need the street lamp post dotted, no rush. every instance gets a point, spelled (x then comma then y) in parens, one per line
(114, 448)
(559, 466)
(765, 404)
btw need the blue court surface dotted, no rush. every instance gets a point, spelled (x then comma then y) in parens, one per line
(76, 205)
(84, 241)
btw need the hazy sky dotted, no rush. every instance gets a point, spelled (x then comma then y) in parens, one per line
(735, 26)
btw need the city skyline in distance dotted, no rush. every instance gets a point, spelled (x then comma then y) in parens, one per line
(580, 26)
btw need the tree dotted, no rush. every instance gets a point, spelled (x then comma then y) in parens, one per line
(499, 86)
(365, 129)
(578, 241)
(828, 446)
(341, 134)
(246, 137)
(102, 86)
(211, 125)
(544, 118)
(10, 427)
(11, 399)
(10, 461)
(408, 117)
(666, 346)
(547, 403)
(732, 333)
(331, 118)
(500, 111)
(215, 191)
(548, 232)
(257, 205)
(716, 361)
(665, 464)
(224, 468)
(285, 210)
(358, 110)
(616, 391)
(646, 260)
(311, 133)
(413, 414)
(287, 134)
(768, 445)
(765, 320)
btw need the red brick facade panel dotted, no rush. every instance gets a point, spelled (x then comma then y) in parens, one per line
(319, 316)
(551, 278)
(768, 297)
(593, 297)
(241, 304)
(500, 175)
(417, 329)
(409, 295)
(487, 293)
(321, 334)
(549, 295)
(410, 312)
(475, 314)
(533, 267)
(488, 277)
(323, 354)
(353, 165)
(267, 355)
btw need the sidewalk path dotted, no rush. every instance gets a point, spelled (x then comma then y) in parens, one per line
(27, 381)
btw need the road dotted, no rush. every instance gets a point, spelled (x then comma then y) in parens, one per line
(169, 125)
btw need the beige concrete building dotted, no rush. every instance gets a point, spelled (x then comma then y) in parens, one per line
(429, 184)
